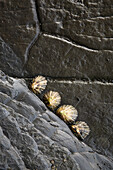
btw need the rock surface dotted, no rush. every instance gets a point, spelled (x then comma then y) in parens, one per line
(76, 40)
(67, 41)
(18, 29)
(32, 137)
(93, 101)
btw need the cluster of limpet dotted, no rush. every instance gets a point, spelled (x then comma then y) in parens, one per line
(66, 112)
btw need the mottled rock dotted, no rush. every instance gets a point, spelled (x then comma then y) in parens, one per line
(75, 40)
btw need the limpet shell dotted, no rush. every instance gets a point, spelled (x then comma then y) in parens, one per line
(38, 84)
(80, 129)
(52, 99)
(67, 113)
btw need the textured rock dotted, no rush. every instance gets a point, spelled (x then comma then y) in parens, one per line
(93, 101)
(9, 156)
(77, 40)
(75, 43)
(18, 28)
(56, 57)
(32, 137)
(9, 62)
(78, 21)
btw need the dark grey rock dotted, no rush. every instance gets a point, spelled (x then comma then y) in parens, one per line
(36, 141)
(85, 22)
(9, 156)
(76, 40)
(18, 29)
(93, 101)
(75, 43)
(9, 62)
(56, 57)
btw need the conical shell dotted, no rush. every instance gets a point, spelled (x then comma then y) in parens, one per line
(52, 99)
(39, 84)
(81, 129)
(67, 113)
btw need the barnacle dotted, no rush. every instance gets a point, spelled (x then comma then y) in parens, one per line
(80, 129)
(38, 84)
(52, 99)
(67, 113)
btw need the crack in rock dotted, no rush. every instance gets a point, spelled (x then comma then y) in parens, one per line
(35, 17)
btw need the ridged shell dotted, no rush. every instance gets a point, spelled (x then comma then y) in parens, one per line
(67, 113)
(38, 84)
(52, 99)
(81, 129)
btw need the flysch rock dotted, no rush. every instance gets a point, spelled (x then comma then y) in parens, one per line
(32, 137)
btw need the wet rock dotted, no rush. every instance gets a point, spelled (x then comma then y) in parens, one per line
(35, 141)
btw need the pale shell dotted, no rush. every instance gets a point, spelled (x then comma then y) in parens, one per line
(38, 84)
(52, 99)
(81, 129)
(67, 113)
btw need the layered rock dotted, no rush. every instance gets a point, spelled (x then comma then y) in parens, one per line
(93, 101)
(32, 137)
(74, 42)
(77, 40)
